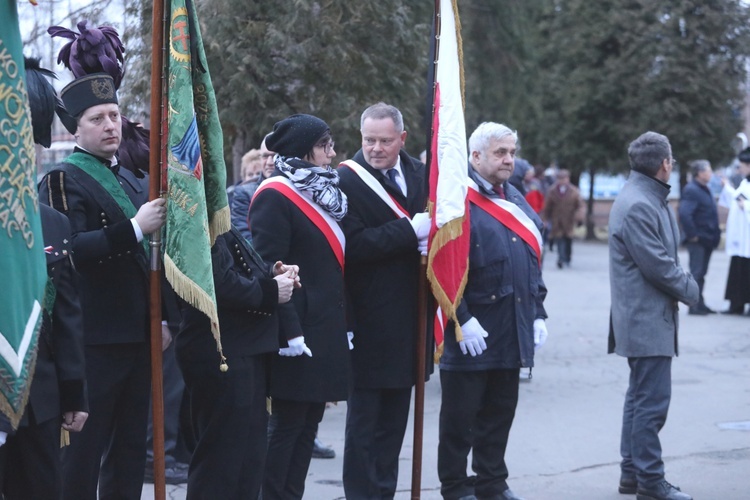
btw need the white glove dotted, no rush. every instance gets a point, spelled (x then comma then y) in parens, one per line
(3, 437)
(540, 333)
(349, 338)
(421, 224)
(422, 247)
(474, 336)
(297, 347)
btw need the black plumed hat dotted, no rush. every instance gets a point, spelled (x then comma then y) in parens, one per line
(83, 93)
(42, 100)
(296, 135)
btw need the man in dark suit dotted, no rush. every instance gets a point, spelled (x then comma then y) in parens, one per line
(30, 464)
(228, 409)
(109, 216)
(700, 226)
(385, 228)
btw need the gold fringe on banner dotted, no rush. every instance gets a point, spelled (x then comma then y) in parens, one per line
(449, 232)
(64, 438)
(196, 297)
(220, 223)
(460, 45)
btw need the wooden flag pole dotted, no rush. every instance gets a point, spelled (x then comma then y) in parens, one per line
(422, 308)
(421, 366)
(155, 191)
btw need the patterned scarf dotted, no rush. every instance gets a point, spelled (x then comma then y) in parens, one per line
(321, 184)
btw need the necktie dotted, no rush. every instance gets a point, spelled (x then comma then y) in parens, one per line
(392, 175)
(499, 190)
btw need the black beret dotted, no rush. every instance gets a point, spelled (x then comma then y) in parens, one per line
(91, 90)
(296, 135)
(744, 155)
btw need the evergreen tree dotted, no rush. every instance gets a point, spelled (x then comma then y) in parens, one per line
(616, 68)
(331, 59)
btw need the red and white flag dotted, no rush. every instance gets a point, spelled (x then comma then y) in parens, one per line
(448, 257)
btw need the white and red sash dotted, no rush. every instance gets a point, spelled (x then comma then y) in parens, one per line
(510, 216)
(377, 188)
(321, 219)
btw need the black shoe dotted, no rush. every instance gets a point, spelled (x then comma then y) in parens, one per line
(509, 495)
(708, 309)
(697, 311)
(628, 485)
(559, 264)
(735, 311)
(320, 450)
(661, 491)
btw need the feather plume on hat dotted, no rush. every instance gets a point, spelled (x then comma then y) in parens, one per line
(93, 50)
(44, 102)
(96, 50)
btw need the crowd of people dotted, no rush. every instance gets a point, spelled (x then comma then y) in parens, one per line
(316, 287)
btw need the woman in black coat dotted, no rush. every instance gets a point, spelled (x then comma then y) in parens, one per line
(294, 218)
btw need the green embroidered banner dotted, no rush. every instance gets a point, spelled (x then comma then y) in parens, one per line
(23, 268)
(197, 206)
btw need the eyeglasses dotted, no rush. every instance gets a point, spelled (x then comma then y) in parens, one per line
(327, 147)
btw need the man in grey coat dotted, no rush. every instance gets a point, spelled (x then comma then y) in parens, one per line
(646, 283)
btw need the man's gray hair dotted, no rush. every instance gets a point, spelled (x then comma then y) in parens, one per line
(647, 153)
(382, 110)
(486, 132)
(698, 166)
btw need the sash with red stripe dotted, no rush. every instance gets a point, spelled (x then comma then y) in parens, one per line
(377, 188)
(510, 216)
(324, 222)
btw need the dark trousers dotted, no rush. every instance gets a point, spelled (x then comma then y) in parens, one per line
(737, 291)
(699, 255)
(30, 464)
(291, 437)
(564, 249)
(173, 389)
(375, 426)
(111, 448)
(644, 414)
(229, 424)
(476, 413)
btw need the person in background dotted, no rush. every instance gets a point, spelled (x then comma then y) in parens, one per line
(520, 169)
(386, 228)
(563, 210)
(502, 321)
(533, 189)
(646, 282)
(700, 226)
(250, 173)
(294, 217)
(738, 237)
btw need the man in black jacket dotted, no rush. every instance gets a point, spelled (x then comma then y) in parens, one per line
(228, 409)
(385, 228)
(30, 464)
(700, 226)
(109, 216)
